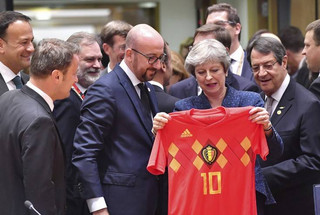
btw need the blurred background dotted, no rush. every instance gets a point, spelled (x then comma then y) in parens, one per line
(176, 20)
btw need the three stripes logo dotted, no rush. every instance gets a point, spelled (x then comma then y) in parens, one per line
(186, 133)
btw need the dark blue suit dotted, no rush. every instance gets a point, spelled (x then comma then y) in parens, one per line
(235, 98)
(291, 177)
(67, 115)
(246, 69)
(112, 146)
(189, 86)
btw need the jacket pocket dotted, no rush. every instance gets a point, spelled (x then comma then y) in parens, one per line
(122, 179)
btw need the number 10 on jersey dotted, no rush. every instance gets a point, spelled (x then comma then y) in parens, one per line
(211, 183)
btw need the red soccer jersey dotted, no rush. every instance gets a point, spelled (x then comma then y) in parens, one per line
(210, 156)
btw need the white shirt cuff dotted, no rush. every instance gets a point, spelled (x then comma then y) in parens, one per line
(96, 204)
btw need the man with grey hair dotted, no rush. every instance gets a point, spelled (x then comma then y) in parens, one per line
(312, 52)
(295, 114)
(113, 36)
(67, 111)
(31, 155)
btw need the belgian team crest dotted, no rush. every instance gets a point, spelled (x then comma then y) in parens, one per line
(209, 154)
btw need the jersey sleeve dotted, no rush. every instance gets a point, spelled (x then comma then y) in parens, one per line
(260, 145)
(157, 161)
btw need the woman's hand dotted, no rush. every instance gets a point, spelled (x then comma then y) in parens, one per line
(260, 115)
(159, 121)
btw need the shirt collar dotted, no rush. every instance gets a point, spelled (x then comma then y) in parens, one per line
(279, 93)
(237, 54)
(157, 84)
(81, 88)
(135, 81)
(7, 73)
(45, 96)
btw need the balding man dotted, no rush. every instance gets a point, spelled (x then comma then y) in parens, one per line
(114, 139)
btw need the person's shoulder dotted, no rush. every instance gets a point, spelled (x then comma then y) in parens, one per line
(186, 102)
(183, 83)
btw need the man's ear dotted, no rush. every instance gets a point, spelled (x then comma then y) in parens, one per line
(285, 62)
(2, 44)
(56, 76)
(106, 48)
(238, 28)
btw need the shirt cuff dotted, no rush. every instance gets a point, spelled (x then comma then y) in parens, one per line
(96, 204)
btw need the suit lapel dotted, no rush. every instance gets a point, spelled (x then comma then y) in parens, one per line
(153, 99)
(3, 86)
(25, 78)
(134, 98)
(284, 104)
(25, 89)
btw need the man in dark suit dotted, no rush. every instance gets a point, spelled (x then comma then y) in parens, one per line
(312, 52)
(160, 81)
(113, 140)
(293, 40)
(16, 49)
(67, 111)
(225, 15)
(31, 155)
(295, 114)
(189, 87)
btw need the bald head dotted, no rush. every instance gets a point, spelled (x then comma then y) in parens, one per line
(144, 51)
(140, 33)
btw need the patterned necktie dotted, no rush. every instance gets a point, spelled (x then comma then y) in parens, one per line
(269, 104)
(17, 81)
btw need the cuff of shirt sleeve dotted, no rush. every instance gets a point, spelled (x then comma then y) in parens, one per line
(96, 204)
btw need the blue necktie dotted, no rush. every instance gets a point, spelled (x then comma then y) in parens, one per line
(17, 81)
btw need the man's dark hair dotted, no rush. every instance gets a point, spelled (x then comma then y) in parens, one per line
(9, 17)
(292, 39)
(115, 27)
(219, 32)
(231, 11)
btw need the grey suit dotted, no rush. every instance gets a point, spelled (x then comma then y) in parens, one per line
(4, 87)
(31, 155)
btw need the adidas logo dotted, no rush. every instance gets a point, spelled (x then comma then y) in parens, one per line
(186, 133)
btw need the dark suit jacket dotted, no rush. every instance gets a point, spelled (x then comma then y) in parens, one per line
(112, 146)
(246, 69)
(4, 87)
(303, 76)
(315, 87)
(235, 98)
(189, 86)
(31, 155)
(67, 115)
(296, 118)
(165, 101)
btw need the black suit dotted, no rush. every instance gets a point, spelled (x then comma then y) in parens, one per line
(315, 87)
(67, 115)
(31, 155)
(165, 101)
(296, 119)
(189, 86)
(4, 87)
(303, 76)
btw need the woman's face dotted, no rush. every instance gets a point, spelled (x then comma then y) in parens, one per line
(211, 77)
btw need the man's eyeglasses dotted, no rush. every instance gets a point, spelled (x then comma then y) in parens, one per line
(265, 67)
(152, 59)
(225, 22)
